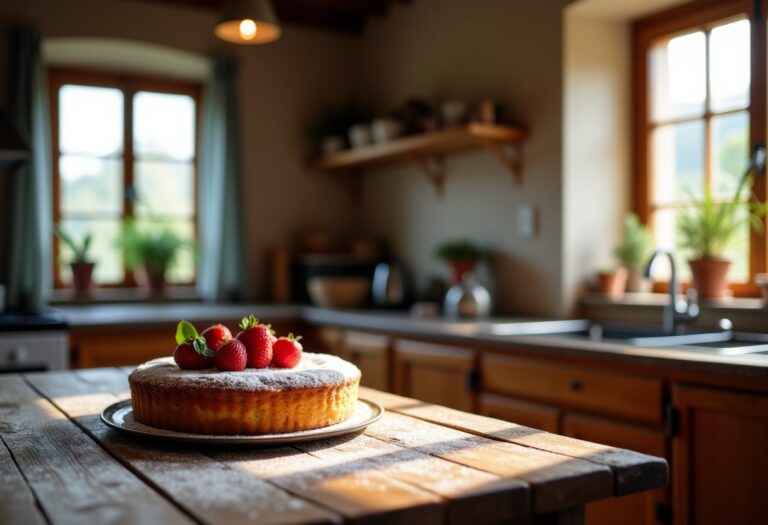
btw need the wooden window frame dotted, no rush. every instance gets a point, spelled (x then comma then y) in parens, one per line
(129, 84)
(700, 14)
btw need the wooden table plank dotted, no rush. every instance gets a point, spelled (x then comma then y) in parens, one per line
(361, 495)
(74, 480)
(556, 481)
(209, 490)
(17, 503)
(471, 495)
(632, 471)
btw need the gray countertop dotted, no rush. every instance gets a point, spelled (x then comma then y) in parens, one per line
(497, 332)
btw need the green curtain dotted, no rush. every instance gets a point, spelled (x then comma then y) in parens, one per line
(30, 233)
(221, 268)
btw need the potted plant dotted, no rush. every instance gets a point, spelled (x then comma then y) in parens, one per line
(153, 251)
(634, 251)
(462, 256)
(706, 229)
(81, 264)
(612, 281)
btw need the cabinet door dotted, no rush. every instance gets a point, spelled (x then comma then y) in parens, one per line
(720, 457)
(635, 509)
(372, 355)
(526, 413)
(435, 373)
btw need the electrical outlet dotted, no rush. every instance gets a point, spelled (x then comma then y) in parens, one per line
(526, 221)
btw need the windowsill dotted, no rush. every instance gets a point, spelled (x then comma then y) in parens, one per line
(746, 313)
(67, 296)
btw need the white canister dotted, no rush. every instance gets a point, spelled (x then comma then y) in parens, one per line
(359, 135)
(385, 129)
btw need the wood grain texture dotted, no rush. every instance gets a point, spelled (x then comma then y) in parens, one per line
(555, 481)
(470, 494)
(73, 478)
(209, 490)
(17, 503)
(632, 471)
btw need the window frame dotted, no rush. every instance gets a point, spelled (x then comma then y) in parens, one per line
(700, 15)
(129, 84)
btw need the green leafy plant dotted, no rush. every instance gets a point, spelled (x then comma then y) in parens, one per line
(154, 249)
(462, 249)
(637, 244)
(708, 226)
(79, 249)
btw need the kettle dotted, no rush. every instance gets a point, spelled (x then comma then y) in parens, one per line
(389, 285)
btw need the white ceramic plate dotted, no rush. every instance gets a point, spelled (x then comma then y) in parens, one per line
(120, 417)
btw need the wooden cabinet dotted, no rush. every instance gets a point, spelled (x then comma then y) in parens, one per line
(372, 355)
(435, 373)
(645, 508)
(526, 413)
(626, 396)
(720, 457)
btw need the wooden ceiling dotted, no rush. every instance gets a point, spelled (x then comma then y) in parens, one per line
(345, 16)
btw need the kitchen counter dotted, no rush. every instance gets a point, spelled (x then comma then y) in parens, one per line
(419, 464)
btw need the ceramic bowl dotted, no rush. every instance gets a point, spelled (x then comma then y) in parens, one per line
(339, 292)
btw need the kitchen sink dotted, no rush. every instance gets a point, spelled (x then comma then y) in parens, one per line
(740, 343)
(653, 337)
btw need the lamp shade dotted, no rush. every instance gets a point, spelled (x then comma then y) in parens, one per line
(248, 22)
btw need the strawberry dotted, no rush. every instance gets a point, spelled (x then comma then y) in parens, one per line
(287, 352)
(216, 336)
(193, 355)
(257, 339)
(231, 356)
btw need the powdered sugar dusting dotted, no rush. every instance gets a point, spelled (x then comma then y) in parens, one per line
(314, 370)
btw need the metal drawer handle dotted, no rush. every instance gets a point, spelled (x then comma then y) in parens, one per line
(576, 385)
(17, 355)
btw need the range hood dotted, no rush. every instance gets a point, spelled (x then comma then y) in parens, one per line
(12, 146)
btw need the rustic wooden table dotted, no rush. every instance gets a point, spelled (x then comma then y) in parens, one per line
(420, 464)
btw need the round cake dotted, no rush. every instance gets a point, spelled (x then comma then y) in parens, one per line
(320, 391)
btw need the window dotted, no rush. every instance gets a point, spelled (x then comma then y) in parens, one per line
(699, 112)
(123, 148)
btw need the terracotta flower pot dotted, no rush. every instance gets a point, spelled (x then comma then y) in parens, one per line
(155, 280)
(613, 283)
(709, 277)
(82, 273)
(459, 267)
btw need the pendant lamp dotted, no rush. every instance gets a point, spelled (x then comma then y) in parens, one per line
(248, 22)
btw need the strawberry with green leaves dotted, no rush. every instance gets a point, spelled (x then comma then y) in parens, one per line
(257, 339)
(286, 352)
(231, 356)
(192, 352)
(216, 335)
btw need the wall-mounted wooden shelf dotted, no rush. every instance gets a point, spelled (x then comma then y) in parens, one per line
(427, 151)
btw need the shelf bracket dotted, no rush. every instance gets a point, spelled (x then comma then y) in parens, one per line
(433, 168)
(510, 154)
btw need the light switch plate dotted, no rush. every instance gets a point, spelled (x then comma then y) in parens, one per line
(526, 221)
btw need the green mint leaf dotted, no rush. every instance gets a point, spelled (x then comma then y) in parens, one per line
(185, 331)
(201, 347)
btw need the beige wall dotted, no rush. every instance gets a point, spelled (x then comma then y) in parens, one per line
(508, 50)
(282, 85)
(596, 141)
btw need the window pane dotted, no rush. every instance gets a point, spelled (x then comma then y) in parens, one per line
(678, 162)
(90, 185)
(678, 77)
(90, 120)
(109, 261)
(729, 73)
(183, 271)
(730, 152)
(666, 237)
(164, 125)
(737, 250)
(165, 188)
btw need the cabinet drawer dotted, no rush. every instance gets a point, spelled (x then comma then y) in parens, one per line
(34, 351)
(371, 353)
(627, 396)
(526, 413)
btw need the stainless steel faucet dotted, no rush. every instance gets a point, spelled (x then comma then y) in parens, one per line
(676, 313)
